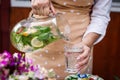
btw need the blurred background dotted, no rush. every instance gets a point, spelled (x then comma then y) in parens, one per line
(106, 53)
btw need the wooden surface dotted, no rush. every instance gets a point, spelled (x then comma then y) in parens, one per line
(4, 25)
(106, 53)
(0, 28)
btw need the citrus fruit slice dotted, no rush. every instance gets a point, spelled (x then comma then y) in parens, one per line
(25, 34)
(36, 43)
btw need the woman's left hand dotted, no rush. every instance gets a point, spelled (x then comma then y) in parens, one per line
(83, 58)
(86, 43)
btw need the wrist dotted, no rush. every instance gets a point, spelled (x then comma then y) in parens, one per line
(90, 39)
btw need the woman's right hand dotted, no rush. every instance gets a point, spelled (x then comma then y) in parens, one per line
(42, 7)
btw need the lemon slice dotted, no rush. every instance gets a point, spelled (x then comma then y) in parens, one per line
(36, 43)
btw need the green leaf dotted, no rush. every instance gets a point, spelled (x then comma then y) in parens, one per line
(43, 36)
(43, 29)
(71, 77)
(16, 38)
(52, 38)
(26, 40)
(36, 34)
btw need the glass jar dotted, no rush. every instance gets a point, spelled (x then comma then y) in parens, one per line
(36, 32)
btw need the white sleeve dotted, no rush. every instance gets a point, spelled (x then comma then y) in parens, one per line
(100, 18)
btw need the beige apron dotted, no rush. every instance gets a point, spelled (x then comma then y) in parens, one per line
(77, 12)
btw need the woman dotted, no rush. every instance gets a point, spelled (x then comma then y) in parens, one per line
(88, 21)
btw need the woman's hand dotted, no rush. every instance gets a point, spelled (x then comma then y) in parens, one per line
(42, 7)
(87, 43)
(83, 58)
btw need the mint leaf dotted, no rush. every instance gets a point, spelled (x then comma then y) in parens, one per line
(43, 36)
(43, 29)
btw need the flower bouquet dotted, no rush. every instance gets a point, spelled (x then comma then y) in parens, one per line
(17, 67)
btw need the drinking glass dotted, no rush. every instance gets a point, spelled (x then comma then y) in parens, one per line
(71, 54)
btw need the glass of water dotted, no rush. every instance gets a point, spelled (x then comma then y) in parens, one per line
(71, 54)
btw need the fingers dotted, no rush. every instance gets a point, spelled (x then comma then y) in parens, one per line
(52, 8)
(83, 58)
(42, 7)
(84, 54)
(80, 64)
(83, 67)
(46, 11)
